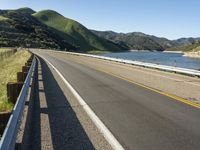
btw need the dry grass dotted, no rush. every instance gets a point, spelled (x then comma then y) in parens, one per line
(3, 50)
(8, 69)
(3, 18)
(197, 49)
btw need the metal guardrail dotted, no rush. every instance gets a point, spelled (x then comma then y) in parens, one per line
(8, 139)
(190, 72)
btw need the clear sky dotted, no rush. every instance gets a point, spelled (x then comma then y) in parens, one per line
(165, 18)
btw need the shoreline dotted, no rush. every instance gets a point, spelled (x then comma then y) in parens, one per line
(192, 54)
(177, 52)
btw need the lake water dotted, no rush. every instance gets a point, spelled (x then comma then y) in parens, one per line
(163, 58)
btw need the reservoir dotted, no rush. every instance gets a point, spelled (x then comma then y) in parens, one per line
(162, 58)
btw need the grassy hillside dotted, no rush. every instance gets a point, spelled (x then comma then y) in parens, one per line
(24, 10)
(74, 32)
(186, 48)
(136, 40)
(197, 49)
(187, 41)
(19, 29)
(48, 29)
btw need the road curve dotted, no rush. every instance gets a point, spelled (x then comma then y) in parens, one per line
(139, 118)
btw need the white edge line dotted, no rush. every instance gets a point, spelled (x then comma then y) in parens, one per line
(100, 125)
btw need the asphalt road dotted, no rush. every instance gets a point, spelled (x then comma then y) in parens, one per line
(139, 118)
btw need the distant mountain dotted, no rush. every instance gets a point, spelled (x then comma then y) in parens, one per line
(186, 44)
(186, 48)
(137, 40)
(19, 29)
(187, 41)
(48, 29)
(25, 10)
(75, 33)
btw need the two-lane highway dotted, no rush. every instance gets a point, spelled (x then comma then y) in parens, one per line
(139, 118)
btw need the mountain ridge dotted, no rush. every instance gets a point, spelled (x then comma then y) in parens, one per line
(137, 40)
(22, 26)
(20, 29)
(159, 43)
(75, 32)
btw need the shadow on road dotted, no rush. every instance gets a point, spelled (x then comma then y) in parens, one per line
(65, 129)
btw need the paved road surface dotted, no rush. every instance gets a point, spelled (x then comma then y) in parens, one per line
(139, 118)
(57, 121)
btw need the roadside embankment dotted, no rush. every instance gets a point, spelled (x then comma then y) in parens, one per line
(7, 52)
(11, 62)
(8, 69)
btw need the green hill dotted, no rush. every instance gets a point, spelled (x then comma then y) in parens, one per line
(74, 32)
(197, 49)
(186, 48)
(187, 41)
(19, 29)
(48, 29)
(136, 40)
(25, 10)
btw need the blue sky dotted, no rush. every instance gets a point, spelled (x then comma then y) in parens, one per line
(165, 18)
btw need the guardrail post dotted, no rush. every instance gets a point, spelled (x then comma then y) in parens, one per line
(21, 76)
(13, 90)
(4, 116)
(30, 59)
(25, 68)
(28, 64)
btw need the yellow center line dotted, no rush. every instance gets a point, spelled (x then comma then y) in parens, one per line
(129, 68)
(173, 97)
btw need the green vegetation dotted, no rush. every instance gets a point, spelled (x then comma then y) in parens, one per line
(25, 10)
(75, 33)
(96, 52)
(3, 50)
(4, 53)
(3, 18)
(50, 30)
(186, 48)
(197, 49)
(23, 30)
(47, 29)
(8, 73)
(136, 40)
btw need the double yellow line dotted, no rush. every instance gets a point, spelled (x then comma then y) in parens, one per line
(173, 97)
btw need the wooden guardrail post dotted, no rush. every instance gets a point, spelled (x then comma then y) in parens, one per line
(4, 116)
(28, 63)
(13, 90)
(25, 68)
(30, 60)
(21, 76)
